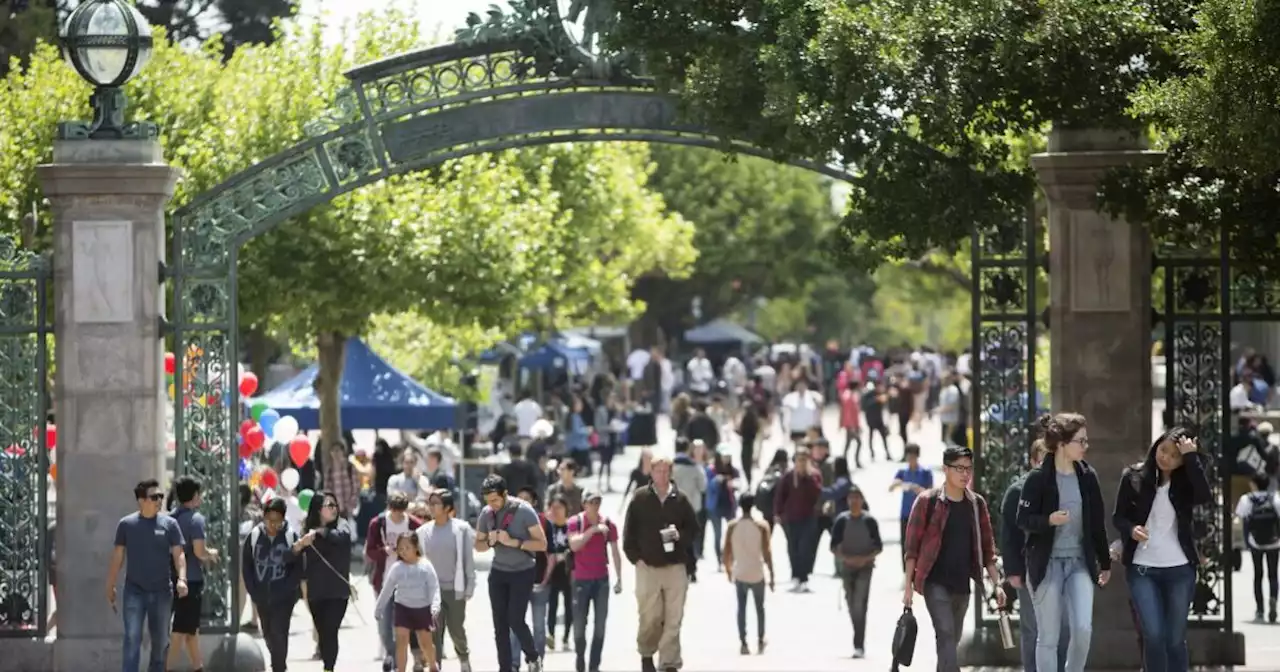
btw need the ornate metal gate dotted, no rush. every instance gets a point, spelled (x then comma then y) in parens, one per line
(25, 335)
(1007, 263)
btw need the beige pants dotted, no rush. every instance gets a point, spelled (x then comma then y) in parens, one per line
(660, 594)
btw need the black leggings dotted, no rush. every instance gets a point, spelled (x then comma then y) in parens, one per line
(874, 428)
(748, 455)
(560, 585)
(1272, 558)
(274, 618)
(326, 616)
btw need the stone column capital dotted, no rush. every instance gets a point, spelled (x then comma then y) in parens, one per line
(108, 179)
(1070, 179)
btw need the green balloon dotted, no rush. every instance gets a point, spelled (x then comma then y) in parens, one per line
(304, 499)
(257, 409)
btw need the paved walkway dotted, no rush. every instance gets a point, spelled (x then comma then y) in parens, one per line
(809, 632)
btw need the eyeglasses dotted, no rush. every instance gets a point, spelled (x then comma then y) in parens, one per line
(1084, 443)
(330, 505)
(155, 496)
(960, 468)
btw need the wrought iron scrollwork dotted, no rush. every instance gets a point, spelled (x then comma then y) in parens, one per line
(24, 462)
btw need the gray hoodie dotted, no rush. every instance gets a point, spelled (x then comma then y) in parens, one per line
(691, 479)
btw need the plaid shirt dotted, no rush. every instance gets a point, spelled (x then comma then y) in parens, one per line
(924, 537)
(339, 480)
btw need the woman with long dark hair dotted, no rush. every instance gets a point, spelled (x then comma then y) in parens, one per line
(326, 567)
(1062, 512)
(1153, 514)
(748, 430)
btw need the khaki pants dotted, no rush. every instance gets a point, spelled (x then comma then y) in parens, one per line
(660, 595)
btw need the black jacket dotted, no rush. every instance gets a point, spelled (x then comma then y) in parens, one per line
(1040, 498)
(329, 581)
(1012, 539)
(1188, 488)
(647, 515)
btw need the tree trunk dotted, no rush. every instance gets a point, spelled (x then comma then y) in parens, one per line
(259, 347)
(333, 349)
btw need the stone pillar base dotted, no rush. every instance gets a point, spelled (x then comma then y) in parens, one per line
(222, 653)
(1110, 650)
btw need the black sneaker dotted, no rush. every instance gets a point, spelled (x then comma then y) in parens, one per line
(1271, 615)
(1257, 615)
(646, 664)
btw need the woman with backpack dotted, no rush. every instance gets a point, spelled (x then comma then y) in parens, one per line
(326, 567)
(722, 496)
(1066, 549)
(1260, 512)
(1154, 516)
(769, 483)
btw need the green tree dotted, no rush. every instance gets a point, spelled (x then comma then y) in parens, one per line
(759, 227)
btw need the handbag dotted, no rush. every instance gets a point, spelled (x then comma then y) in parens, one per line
(904, 639)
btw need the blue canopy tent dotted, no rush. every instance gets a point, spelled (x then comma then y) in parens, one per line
(557, 354)
(498, 353)
(373, 394)
(721, 332)
(572, 340)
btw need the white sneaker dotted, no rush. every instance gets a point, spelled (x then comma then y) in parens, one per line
(859, 653)
(804, 587)
(535, 665)
(795, 586)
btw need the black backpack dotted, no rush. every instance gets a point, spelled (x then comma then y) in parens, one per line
(764, 491)
(1263, 522)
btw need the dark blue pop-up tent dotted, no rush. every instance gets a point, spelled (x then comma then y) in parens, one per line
(373, 394)
(557, 354)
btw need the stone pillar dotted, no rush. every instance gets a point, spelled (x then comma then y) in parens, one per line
(108, 199)
(1100, 350)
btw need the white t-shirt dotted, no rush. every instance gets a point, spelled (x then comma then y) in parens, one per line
(1161, 548)
(527, 412)
(768, 376)
(668, 376)
(701, 374)
(636, 361)
(804, 410)
(964, 364)
(1239, 398)
(735, 372)
(1245, 507)
(391, 530)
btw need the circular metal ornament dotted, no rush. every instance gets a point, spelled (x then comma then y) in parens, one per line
(106, 41)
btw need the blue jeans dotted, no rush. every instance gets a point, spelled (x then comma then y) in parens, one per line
(757, 594)
(717, 528)
(1162, 596)
(593, 594)
(154, 607)
(800, 536)
(1028, 630)
(538, 600)
(1065, 594)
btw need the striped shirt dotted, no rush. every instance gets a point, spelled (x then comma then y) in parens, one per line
(591, 562)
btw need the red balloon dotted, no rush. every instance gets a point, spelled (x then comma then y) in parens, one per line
(248, 384)
(15, 450)
(170, 363)
(246, 426)
(50, 436)
(255, 437)
(269, 478)
(299, 450)
(246, 450)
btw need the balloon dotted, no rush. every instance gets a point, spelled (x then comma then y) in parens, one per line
(254, 438)
(53, 471)
(248, 384)
(285, 430)
(268, 420)
(304, 499)
(269, 478)
(255, 478)
(170, 363)
(245, 426)
(299, 450)
(15, 451)
(245, 470)
(171, 390)
(246, 450)
(257, 409)
(289, 479)
(50, 436)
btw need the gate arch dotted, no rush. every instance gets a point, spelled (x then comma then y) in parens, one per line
(400, 115)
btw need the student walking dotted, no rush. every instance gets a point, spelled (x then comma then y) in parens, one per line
(1012, 543)
(560, 583)
(912, 480)
(1066, 549)
(855, 541)
(272, 577)
(540, 596)
(326, 568)
(149, 540)
(660, 524)
(449, 544)
(747, 553)
(414, 589)
(949, 544)
(795, 503)
(510, 528)
(1260, 513)
(1153, 514)
(589, 534)
(380, 552)
(187, 609)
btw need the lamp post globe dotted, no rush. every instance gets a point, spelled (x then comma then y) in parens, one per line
(107, 42)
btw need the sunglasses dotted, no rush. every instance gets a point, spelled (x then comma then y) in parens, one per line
(155, 496)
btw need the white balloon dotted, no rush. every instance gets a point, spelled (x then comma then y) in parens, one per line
(289, 479)
(286, 428)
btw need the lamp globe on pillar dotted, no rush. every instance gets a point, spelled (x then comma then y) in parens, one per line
(108, 42)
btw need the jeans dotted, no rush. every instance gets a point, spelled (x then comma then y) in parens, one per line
(510, 597)
(757, 596)
(593, 595)
(1028, 633)
(274, 618)
(717, 529)
(1162, 596)
(559, 589)
(154, 607)
(326, 616)
(1064, 594)
(1272, 558)
(946, 610)
(857, 592)
(800, 543)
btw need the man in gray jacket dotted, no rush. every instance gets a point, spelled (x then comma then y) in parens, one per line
(691, 480)
(449, 544)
